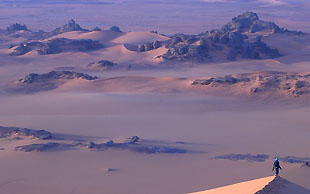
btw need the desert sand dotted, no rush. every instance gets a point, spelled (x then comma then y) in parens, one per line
(200, 124)
(267, 185)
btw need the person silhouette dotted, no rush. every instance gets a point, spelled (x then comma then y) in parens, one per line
(276, 166)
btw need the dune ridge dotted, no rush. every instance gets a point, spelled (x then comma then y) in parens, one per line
(266, 185)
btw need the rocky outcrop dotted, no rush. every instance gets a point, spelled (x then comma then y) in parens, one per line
(248, 157)
(60, 45)
(133, 145)
(97, 29)
(69, 27)
(101, 65)
(115, 29)
(250, 22)
(43, 82)
(44, 147)
(57, 45)
(149, 46)
(230, 41)
(24, 132)
(55, 75)
(273, 83)
(16, 27)
(25, 48)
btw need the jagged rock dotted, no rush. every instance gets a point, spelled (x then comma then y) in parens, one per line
(290, 84)
(96, 29)
(149, 46)
(133, 139)
(16, 27)
(115, 29)
(69, 27)
(39, 134)
(101, 65)
(110, 143)
(33, 82)
(59, 45)
(55, 75)
(249, 157)
(307, 164)
(50, 146)
(91, 145)
(25, 48)
(250, 22)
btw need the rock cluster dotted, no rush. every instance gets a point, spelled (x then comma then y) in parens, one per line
(149, 46)
(202, 47)
(55, 75)
(249, 157)
(69, 27)
(250, 22)
(115, 29)
(24, 132)
(231, 41)
(291, 84)
(16, 27)
(50, 146)
(33, 82)
(57, 45)
(101, 65)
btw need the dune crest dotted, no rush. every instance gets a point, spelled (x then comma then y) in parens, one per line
(267, 185)
(248, 187)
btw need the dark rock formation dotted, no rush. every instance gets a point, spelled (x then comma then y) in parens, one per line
(115, 29)
(43, 82)
(91, 145)
(134, 145)
(60, 45)
(50, 146)
(27, 47)
(250, 22)
(55, 75)
(284, 83)
(149, 46)
(134, 139)
(69, 27)
(295, 160)
(16, 27)
(96, 29)
(307, 164)
(230, 37)
(249, 157)
(224, 80)
(57, 45)
(101, 65)
(39, 134)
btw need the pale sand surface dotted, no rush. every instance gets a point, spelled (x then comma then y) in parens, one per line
(249, 187)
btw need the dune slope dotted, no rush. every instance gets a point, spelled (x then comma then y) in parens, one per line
(282, 186)
(267, 185)
(249, 187)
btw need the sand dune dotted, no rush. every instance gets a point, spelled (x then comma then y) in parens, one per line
(102, 36)
(267, 185)
(136, 38)
(248, 187)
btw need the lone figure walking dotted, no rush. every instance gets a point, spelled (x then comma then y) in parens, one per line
(276, 166)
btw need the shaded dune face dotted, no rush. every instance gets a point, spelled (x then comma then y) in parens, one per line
(267, 185)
